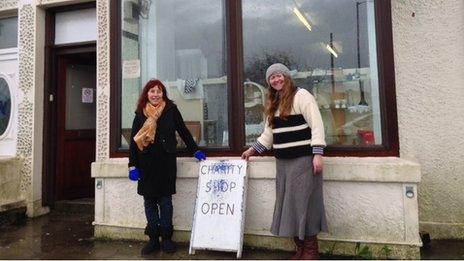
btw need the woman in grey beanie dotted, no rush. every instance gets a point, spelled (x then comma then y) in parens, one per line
(295, 131)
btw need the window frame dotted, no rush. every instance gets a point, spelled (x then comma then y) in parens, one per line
(235, 91)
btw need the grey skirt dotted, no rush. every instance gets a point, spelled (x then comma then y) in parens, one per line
(299, 207)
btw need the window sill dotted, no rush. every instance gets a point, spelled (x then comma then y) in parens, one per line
(352, 169)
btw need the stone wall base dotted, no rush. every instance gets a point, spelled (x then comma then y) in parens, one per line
(35, 209)
(12, 213)
(443, 230)
(328, 247)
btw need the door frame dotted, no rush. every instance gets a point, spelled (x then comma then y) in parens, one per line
(51, 111)
(50, 116)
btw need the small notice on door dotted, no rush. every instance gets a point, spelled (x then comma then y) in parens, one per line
(87, 95)
(131, 69)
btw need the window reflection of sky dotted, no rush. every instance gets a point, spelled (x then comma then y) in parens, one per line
(8, 32)
(269, 26)
(277, 30)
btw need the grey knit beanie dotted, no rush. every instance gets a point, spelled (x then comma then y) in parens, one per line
(276, 68)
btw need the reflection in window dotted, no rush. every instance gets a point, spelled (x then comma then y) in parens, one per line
(8, 32)
(170, 40)
(5, 106)
(330, 46)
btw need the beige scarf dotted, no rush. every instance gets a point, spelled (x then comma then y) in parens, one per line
(146, 134)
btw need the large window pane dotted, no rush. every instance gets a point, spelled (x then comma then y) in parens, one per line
(182, 43)
(330, 46)
(8, 32)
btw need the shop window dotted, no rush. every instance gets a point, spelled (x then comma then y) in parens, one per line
(9, 32)
(341, 51)
(182, 43)
(331, 50)
(5, 106)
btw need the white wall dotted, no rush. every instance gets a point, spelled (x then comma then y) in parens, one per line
(364, 198)
(429, 69)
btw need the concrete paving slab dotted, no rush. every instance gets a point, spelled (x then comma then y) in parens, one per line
(70, 236)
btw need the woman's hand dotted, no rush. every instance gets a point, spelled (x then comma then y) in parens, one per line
(134, 173)
(200, 155)
(318, 164)
(249, 152)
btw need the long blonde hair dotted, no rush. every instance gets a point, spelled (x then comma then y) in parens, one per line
(282, 101)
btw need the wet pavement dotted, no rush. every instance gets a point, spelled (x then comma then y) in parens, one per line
(70, 236)
(444, 249)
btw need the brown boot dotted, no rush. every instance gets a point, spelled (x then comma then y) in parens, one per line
(310, 248)
(299, 248)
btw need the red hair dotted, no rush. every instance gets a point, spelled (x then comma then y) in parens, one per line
(143, 99)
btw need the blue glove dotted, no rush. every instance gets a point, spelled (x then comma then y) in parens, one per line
(134, 173)
(200, 155)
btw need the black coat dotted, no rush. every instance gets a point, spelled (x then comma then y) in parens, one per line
(157, 162)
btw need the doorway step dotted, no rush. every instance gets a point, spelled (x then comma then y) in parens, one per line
(79, 206)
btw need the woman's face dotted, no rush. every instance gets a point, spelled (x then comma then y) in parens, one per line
(155, 95)
(277, 81)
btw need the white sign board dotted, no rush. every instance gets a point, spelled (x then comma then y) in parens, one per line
(220, 206)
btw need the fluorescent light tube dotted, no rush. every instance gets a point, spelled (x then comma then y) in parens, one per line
(302, 18)
(332, 51)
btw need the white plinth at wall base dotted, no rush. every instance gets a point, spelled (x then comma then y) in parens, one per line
(10, 187)
(372, 201)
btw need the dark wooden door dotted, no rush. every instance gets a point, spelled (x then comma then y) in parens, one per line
(76, 86)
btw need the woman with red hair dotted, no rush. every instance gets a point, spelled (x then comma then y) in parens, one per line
(153, 163)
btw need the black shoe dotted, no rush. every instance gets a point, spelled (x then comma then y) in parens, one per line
(167, 245)
(153, 244)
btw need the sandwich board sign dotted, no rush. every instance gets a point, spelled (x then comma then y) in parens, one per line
(219, 215)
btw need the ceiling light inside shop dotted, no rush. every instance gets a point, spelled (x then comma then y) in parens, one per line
(332, 51)
(302, 18)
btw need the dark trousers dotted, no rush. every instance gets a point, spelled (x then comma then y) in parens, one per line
(158, 211)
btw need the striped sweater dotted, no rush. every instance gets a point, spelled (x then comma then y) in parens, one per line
(301, 134)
